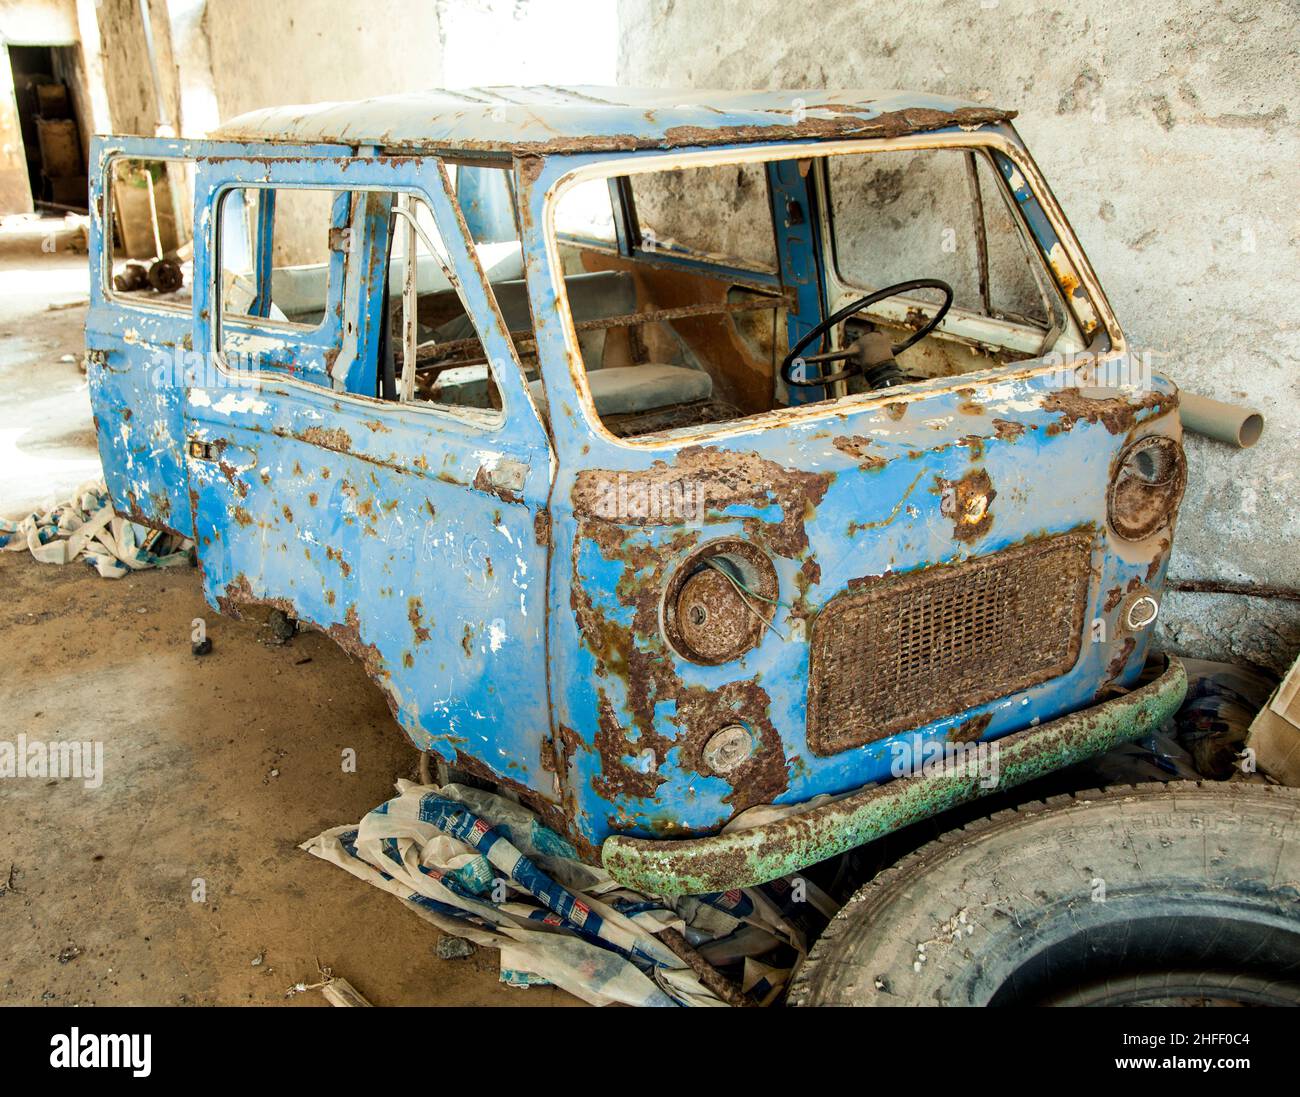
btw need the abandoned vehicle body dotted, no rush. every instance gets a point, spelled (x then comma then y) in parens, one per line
(662, 456)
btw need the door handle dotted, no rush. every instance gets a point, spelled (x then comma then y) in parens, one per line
(202, 450)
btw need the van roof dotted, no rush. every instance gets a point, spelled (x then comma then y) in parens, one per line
(533, 120)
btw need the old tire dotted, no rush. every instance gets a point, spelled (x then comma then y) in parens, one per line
(1147, 894)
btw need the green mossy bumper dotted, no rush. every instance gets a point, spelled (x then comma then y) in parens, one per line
(747, 857)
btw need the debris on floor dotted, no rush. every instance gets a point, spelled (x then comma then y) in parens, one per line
(1214, 720)
(1203, 740)
(454, 948)
(86, 527)
(483, 868)
(334, 988)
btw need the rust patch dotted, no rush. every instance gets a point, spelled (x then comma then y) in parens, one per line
(725, 479)
(1116, 666)
(483, 482)
(542, 527)
(1116, 413)
(895, 410)
(810, 575)
(242, 516)
(889, 124)
(331, 438)
(415, 614)
(702, 712)
(336, 556)
(618, 780)
(232, 476)
(976, 444)
(1153, 568)
(856, 447)
(348, 636)
(971, 730)
(968, 502)
(1008, 430)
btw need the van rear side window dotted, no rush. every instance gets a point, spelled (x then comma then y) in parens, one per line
(149, 232)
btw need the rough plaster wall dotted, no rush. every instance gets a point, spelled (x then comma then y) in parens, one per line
(128, 80)
(38, 22)
(1169, 135)
(266, 55)
(312, 51)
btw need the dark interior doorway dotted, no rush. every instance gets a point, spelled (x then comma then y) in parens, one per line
(48, 92)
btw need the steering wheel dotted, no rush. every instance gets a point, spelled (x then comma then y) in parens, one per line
(820, 330)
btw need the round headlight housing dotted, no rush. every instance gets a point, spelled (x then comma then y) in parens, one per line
(719, 602)
(1147, 487)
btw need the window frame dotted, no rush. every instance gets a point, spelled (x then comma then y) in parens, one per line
(1099, 328)
(111, 294)
(219, 222)
(208, 198)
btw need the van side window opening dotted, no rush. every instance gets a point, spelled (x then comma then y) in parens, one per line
(148, 219)
(695, 312)
(291, 258)
(436, 346)
(274, 252)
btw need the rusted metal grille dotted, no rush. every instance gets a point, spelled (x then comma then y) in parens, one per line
(904, 651)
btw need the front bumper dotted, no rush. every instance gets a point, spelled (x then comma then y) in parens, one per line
(743, 858)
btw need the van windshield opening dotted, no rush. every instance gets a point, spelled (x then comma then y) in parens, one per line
(708, 294)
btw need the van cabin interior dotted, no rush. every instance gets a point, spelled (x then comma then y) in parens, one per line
(689, 288)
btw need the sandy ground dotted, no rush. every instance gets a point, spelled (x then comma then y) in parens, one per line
(215, 767)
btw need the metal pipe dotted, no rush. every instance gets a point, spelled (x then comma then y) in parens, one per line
(1230, 423)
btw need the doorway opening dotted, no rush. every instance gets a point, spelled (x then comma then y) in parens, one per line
(49, 94)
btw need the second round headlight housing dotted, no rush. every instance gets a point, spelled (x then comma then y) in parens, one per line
(1147, 487)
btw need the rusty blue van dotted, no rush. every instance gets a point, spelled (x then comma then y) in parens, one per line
(677, 461)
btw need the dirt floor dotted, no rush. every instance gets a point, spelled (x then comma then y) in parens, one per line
(215, 767)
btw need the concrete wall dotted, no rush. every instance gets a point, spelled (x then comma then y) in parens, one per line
(313, 50)
(267, 55)
(1170, 137)
(38, 22)
(134, 105)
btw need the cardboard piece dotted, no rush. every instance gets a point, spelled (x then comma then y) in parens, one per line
(1275, 732)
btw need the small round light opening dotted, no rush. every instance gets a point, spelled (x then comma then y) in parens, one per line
(719, 602)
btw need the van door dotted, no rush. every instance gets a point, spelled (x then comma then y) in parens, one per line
(413, 531)
(139, 338)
